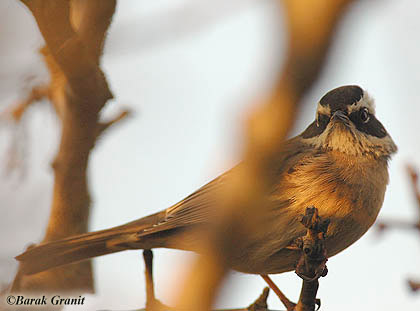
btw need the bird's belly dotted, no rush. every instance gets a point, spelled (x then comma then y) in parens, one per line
(341, 234)
(350, 217)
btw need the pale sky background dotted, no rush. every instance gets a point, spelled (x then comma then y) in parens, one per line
(191, 70)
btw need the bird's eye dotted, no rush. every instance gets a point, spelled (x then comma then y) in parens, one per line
(364, 115)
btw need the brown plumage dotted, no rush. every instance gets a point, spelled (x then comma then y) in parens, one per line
(338, 164)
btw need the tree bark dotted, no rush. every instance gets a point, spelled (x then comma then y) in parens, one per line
(74, 32)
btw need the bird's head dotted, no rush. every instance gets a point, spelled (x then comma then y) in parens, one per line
(345, 122)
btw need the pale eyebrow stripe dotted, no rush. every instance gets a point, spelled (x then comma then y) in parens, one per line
(365, 102)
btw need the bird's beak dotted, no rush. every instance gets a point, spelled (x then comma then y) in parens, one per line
(340, 116)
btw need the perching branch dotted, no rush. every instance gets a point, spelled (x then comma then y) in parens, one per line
(74, 31)
(312, 264)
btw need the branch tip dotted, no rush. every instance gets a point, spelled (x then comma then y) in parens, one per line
(261, 303)
(414, 286)
(122, 115)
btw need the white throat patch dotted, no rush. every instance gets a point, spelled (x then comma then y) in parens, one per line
(352, 142)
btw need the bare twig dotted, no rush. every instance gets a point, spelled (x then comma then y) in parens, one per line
(382, 226)
(150, 288)
(103, 126)
(37, 93)
(261, 303)
(152, 304)
(18, 143)
(405, 224)
(416, 189)
(414, 286)
(286, 302)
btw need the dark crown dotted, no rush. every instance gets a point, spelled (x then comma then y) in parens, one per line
(341, 97)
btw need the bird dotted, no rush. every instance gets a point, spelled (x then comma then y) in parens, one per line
(339, 164)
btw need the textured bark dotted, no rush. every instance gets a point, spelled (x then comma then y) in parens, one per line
(74, 32)
(312, 263)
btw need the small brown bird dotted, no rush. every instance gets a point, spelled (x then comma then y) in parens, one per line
(339, 164)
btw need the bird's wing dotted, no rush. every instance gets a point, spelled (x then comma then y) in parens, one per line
(199, 207)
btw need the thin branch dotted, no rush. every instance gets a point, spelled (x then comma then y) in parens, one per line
(286, 302)
(383, 226)
(152, 304)
(37, 93)
(122, 115)
(414, 286)
(148, 273)
(405, 224)
(261, 303)
(416, 189)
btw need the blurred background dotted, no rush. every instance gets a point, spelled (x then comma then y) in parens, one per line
(191, 70)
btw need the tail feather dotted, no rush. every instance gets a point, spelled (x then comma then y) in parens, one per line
(43, 259)
(84, 246)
